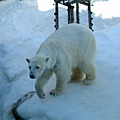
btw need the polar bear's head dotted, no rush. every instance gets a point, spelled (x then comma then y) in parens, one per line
(38, 65)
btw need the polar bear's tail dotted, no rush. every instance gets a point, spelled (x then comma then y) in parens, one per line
(77, 75)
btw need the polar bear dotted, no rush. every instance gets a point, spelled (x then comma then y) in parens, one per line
(68, 52)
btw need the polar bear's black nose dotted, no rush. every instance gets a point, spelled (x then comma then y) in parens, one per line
(32, 77)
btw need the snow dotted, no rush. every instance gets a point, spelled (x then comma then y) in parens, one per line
(24, 25)
(112, 8)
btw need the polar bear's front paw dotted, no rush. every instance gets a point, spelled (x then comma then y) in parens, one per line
(55, 92)
(41, 95)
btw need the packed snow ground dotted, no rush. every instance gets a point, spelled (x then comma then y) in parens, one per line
(22, 29)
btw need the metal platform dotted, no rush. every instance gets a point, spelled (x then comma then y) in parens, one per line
(69, 4)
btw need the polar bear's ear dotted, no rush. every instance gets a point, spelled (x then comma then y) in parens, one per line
(27, 60)
(50, 62)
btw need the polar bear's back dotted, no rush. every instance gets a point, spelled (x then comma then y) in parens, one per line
(73, 31)
(73, 38)
(73, 35)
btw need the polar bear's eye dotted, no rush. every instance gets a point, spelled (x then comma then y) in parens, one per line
(29, 67)
(37, 67)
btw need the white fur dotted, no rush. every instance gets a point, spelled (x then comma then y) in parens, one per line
(69, 47)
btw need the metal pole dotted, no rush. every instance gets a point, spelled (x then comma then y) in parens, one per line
(77, 13)
(56, 16)
(89, 16)
(70, 14)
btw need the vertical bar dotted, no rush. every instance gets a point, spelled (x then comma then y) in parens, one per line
(70, 14)
(77, 13)
(56, 16)
(89, 16)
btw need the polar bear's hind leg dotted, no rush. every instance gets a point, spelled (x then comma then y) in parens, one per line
(77, 75)
(90, 70)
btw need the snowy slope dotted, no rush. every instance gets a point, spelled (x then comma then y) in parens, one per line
(22, 29)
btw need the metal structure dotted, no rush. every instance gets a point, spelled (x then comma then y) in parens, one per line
(70, 10)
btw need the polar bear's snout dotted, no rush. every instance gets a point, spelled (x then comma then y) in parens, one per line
(32, 76)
